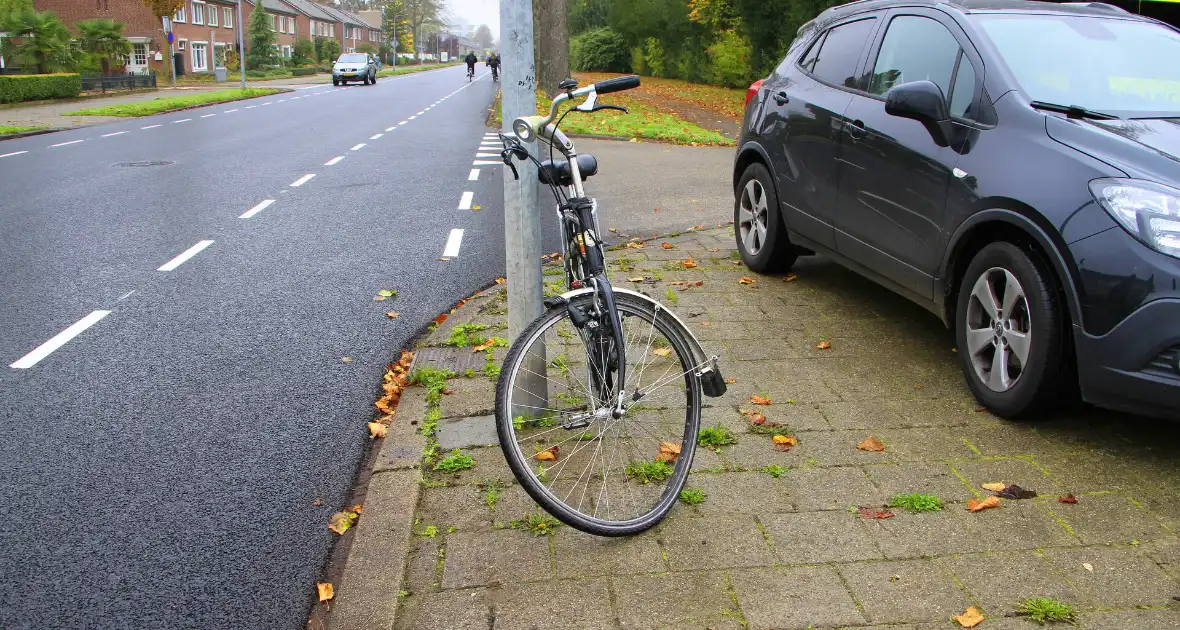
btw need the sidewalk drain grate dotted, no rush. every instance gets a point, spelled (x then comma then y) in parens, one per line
(146, 163)
(457, 360)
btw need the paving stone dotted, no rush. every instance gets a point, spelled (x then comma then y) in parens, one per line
(580, 555)
(1091, 472)
(920, 535)
(861, 415)
(838, 448)
(726, 416)
(831, 488)
(936, 413)
(498, 556)
(422, 566)
(489, 465)
(925, 444)
(932, 478)
(756, 452)
(794, 598)
(1165, 619)
(561, 604)
(904, 592)
(513, 504)
(1018, 471)
(998, 581)
(688, 601)
(999, 438)
(1123, 577)
(714, 542)
(461, 507)
(782, 391)
(450, 610)
(464, 432)
(402, 447)
(819, 537)
(1024, 524)
(469, 397)
(1111, 518)
(742, 493)
(1165, 553)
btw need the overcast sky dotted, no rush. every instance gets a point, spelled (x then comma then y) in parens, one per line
(476, 12)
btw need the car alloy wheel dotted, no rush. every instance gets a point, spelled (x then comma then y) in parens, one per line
(999, 329)
(752, 217)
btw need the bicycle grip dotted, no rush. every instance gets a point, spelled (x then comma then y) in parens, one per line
(617, 84)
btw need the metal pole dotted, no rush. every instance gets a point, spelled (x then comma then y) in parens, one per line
(395, 44)
(242, 45)
(522, 221)
(171, 61)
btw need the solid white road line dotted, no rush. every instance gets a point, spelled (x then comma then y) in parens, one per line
(376, 136)
(185, 255)
(485, 163)
(208, 115)
(453, 242)
(302, 180)
(256, 209)
(12, 154)
(358, 147)
(58, 340)
(62, 144)
(465, 202)
(117, 133)
(474, 176)
(182, 120)
(150, 127)
(334, 161)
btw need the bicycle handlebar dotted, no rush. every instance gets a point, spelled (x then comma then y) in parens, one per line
(529, 127)
(617, 84)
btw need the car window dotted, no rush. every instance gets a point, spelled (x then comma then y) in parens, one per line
(915, 49)
(839, 52)
(963, 91)
(351, 58)
(808, 61)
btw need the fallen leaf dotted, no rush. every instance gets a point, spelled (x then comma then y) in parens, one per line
(1069, 498)
(341, 522)
(759, 400)
(868, 511)
(971, 618)
(1016, 492)
(918, 386)
(447, 391)
(790, 278)
(484, 346)
(689, 285)
(380, 298)
(377, 430)
(784, 442)
(662, 352)
(318, 502)
(387, 293)
(615, 230)
(824, 345)
(980, 409)
(975, 505)
(746, 280)
(698, 227)
(706, 324)
(501, 280)
(359, 508)
(730, 380)
(393, 314)
(1087, 566)
(634, 245)
(755, 418)
(678, 283)
(547, 455)
(871, 444)
(670, 451)
(440, 319)
(346, 359)
(688, 263)
(325, 590)
(636, 279)
(994, 487)
(476, 208)
(444, 259)
(735, 262)
(713, 249)
(667, 245)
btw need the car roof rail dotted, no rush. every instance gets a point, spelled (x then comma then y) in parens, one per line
(1098, 5)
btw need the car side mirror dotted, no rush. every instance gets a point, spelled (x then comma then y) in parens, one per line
(924, 102)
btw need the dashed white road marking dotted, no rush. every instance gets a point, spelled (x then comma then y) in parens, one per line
(474, 175)
(126, 295)
(403, 122)
(182, 120)
(208, 115)
(376, 136)
(453, 242)
(185, 255)
(465, 202)
(58, 340)
(117, 133)
(485, 163)
(487, 155)
(251, 106)
(256, 209)
(302, 180)
(358, 147)
(12, 154)
(230, 111)
(334, 161)
(62, 144)
(420, 113)
(412, 117)
(151, 126)
(390, 128)
(264, 104)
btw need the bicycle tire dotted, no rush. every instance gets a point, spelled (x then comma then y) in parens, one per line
(531, 480)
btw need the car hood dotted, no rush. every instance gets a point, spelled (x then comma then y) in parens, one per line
(1141, 147)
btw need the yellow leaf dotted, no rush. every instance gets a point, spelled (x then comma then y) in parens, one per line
(476, 208)
(377, 430)
(662, 352)
(824, 345)
(615, 230)
(484, 346)
(994, 487)
(635, 245)
(790, 278)
(746, 280)
(341, 522)
(789, 440)
(547, 455)
(731, 380)
(636, 279)
(346, 359)
(393, 314)
(325, 590)
(971, 618)
(500, 281)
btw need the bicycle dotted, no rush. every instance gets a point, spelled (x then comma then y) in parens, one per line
(470, 73)
(598, 402)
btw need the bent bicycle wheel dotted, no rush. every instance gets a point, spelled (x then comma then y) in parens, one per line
(594, 469)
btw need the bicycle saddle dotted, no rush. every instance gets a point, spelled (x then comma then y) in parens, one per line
(558, 171)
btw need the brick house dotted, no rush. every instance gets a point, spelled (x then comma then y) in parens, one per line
(354, 30)
(319, 22)
(285, 21)
(203, 30)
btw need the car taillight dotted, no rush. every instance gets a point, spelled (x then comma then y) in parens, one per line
(752, 91)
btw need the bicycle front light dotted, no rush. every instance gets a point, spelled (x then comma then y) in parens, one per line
(523, 130)
(1149, 211)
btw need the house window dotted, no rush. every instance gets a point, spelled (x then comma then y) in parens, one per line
(198, 12)
(179, 16)
(287, 52)
(227, 17)
(331, 30)
(138, 55)
(200, 56)
(274, 22)
(181, 44)
(213, 16)
(291, 25)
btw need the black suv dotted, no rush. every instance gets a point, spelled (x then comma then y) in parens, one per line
(1014, 167)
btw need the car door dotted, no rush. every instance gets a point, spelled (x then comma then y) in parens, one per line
(806, 99)
(894, 174)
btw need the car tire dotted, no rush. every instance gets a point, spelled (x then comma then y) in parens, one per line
(374, 80)
(756, 209)
(1008, 384)
(335, 82)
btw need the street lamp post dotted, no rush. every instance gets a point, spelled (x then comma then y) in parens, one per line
(242, 44)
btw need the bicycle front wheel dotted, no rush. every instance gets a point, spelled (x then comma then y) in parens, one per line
(601, 472)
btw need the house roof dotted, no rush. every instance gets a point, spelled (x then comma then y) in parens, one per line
(312, 10)
(276, 6)
(345, 16)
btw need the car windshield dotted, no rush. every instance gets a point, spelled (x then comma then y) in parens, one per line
(1122, 67)
(352, 59)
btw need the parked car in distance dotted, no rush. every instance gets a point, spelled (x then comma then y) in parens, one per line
(1012, 166)
(355, 67)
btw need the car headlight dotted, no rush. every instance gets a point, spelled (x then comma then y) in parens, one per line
(1149, 211)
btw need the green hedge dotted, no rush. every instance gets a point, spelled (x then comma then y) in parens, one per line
(303, 72)
(37, 87)
(600, 50)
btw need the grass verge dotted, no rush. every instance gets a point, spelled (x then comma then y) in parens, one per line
(719, 100)
(173, 103)
(8, 130)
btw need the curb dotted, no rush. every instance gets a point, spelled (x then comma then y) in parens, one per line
(39, 132)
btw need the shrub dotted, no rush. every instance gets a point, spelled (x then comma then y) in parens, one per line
(653, 58)
(17, 88)
(730, 60)
(303, 72)
(600, 50)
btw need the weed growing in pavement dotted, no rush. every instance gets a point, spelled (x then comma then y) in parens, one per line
(490, 369)
(774, 470)
(692, 496)
(521, 423)
(454, 462)
(647, 472)
(624, 263)
(538, 524)
(470, 373)
(1042, 609)
(715, 437)
(491, 492)
(430, 531)
(671, 296)
(916, 502)
(553, 288)
(463, 335)
(542, 474)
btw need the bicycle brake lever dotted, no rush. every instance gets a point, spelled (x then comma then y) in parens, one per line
(515, 175)
(617, 107)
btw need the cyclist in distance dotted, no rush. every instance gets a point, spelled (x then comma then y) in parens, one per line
(471, 59)
(494, 63)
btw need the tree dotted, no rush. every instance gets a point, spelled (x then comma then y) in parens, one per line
(304, 52)
(422, 12)
(396, 25)
(366, 48)
(102, 38)
(329, 49)
(551, 35)
(43, 42)
(483, 37)
(260, 40)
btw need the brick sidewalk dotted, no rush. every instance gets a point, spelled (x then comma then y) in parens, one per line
(436, 551)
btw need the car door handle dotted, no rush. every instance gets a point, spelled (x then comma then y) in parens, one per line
(781, 98)
(856, 129)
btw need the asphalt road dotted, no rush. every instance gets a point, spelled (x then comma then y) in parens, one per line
(159, 468)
